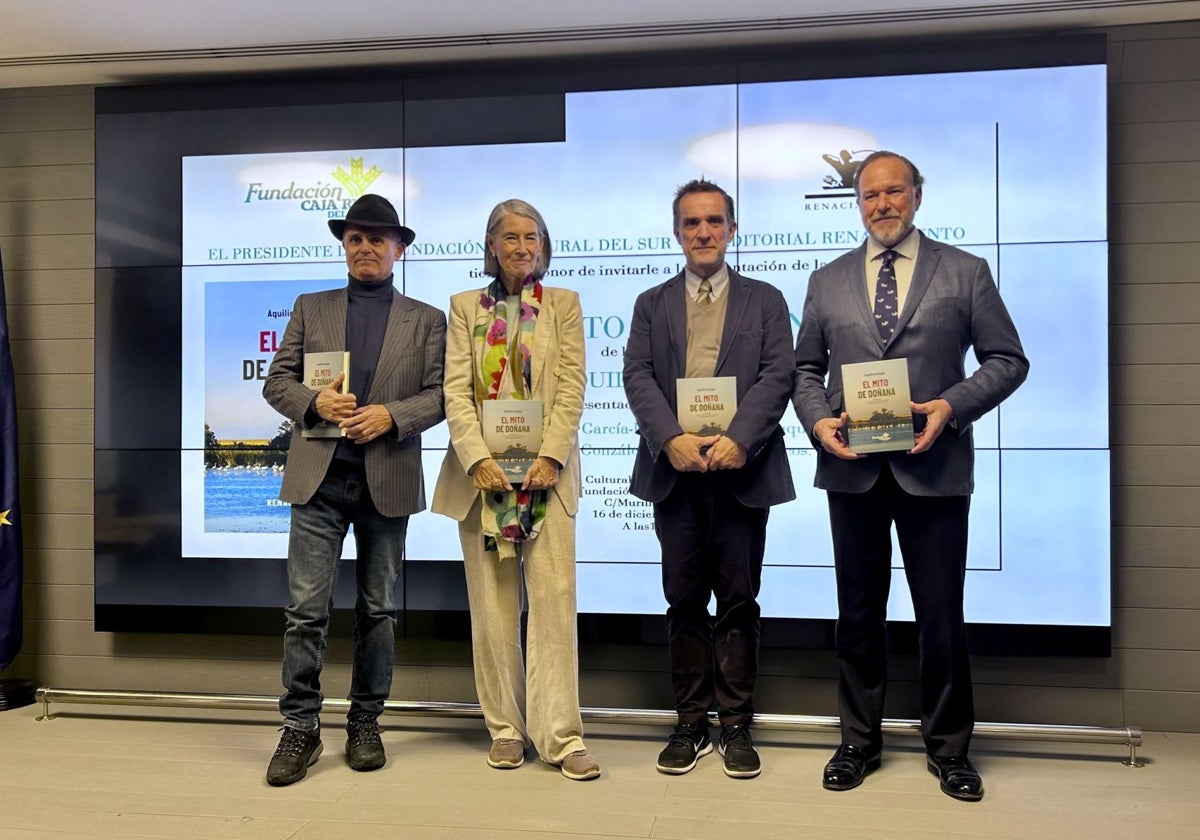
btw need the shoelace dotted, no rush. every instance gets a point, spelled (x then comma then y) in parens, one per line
(294, 742)
(684, 739)
(739, 738)
(364, 731)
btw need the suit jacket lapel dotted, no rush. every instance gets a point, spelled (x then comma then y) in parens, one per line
(735, 308)
(927, 260)
(542, 331)
(397, 337)
(331, 323)
(675, 300)
(857, 291)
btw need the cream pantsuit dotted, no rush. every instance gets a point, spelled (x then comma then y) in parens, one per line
(547, 686)
(536, 700)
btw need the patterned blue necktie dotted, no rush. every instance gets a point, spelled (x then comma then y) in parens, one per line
(886, 311)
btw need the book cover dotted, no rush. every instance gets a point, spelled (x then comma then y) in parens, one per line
(512, 431)
(877, 401)
(320, 369)
(706, 404)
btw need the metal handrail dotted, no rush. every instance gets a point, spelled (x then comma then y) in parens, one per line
(1125, 735)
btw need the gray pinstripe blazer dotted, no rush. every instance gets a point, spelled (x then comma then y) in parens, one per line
(408, 382)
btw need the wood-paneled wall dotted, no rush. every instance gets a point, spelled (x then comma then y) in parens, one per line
(1152, 679)
(1154, 135)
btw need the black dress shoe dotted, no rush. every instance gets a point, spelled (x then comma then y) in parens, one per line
(848, 767)
(958, 776)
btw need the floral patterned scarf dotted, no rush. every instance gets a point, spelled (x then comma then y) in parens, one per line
(509, 516)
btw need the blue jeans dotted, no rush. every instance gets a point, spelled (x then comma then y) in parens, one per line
(314, 549)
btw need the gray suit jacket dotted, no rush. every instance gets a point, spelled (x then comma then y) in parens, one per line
(408, 382)
(952, 304)
(756, 347)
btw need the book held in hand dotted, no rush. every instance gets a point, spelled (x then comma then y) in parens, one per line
(706, 404)
(320, 370)
(512, 431)
(877, 401)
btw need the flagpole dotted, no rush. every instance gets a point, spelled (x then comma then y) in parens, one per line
(14, 692)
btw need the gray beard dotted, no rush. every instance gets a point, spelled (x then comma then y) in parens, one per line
(891, 241)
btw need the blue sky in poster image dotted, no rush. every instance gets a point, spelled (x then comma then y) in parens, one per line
(228, 208)
(612, 180)
(608, 187)
(236, 314)
(1047, 118)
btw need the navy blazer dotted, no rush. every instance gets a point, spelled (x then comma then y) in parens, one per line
(952, 305)
(756, 348)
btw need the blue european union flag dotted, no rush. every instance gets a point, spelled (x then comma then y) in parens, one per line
(10, 507)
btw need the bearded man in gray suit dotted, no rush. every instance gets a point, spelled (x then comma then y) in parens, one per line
(902, 295)
(370, 477)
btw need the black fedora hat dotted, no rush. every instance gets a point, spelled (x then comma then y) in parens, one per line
(372, 211)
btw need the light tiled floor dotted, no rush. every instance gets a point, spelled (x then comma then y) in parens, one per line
(103, 772)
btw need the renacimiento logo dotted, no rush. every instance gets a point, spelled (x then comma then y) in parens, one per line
(845, 163)
(321, 196)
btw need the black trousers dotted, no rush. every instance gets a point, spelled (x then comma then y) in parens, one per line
(712, 545)
(932, 532)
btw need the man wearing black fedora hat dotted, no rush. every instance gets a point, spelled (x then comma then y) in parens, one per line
(369, 477)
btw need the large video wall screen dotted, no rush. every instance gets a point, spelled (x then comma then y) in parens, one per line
(602, 166)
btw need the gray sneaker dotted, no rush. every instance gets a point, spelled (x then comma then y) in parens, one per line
(580, 766)
(297, 751)
(506, 754)
(685, 746)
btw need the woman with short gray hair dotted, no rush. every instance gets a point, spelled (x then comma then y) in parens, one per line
(516, 510)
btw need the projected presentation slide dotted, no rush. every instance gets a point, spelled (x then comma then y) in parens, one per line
(992, 152)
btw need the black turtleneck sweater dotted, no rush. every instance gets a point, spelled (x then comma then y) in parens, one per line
(367, 308)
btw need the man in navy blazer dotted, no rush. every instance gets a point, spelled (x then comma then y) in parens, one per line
(711, 493)
(946, 303)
